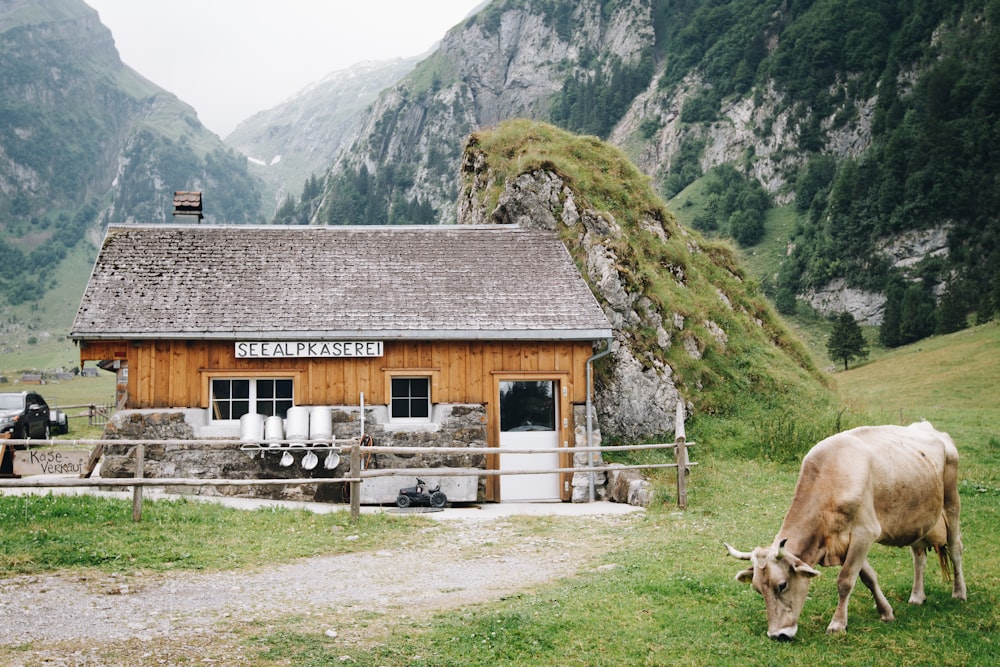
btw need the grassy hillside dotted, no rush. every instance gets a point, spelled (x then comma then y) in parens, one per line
(695, 310)
(34, 335)
(763, 262)
(950, 381)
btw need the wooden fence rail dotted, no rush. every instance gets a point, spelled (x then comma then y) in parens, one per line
(356, 473)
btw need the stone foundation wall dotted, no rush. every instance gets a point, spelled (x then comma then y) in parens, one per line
(452, 426)
(461, 426)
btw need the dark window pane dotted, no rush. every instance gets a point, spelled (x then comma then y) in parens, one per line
(419, 408)
(241, 388)
(220, 388)
(527, 406)
(410, 398)
(265, 389)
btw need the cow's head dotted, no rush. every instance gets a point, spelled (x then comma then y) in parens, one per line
(783, 579)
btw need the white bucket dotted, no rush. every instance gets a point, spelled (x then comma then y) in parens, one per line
(274, 430)
(297, 424)
(252, 427)
(321, 423)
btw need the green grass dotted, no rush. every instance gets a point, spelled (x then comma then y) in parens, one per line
(950, 381)
(668, 597)
(43, 533)
(764, 259)
(665, 594)
(35, 334)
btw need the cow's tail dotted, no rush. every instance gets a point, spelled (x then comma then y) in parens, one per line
(944, 556)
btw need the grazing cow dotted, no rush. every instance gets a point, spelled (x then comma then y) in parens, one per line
(894, 485)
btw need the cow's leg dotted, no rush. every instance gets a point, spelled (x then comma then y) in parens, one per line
(952, 509)
(854, 561)
(845, 585)
(955, 553)
(870, 579)
(917, 595)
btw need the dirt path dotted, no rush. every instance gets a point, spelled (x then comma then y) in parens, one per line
(144, 619)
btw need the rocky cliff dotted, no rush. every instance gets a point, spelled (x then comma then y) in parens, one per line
(688, 326)
(507, 61)
(768, 87)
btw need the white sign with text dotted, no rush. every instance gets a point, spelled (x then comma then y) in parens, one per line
(50, 462)
(283, 349)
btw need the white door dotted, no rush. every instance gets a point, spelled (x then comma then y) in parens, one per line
(529, 417)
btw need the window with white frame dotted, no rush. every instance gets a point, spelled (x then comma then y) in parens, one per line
(234, 397)
(410, 398)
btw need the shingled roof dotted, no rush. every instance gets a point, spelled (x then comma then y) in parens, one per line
(288, 283)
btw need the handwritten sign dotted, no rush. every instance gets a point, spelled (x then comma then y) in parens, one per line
(49, 462)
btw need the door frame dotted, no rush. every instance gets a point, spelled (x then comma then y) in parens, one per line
(563, 428)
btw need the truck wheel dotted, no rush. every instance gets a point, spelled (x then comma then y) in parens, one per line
(438, 499)
(403, 500)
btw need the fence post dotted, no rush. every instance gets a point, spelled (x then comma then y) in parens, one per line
(140, 462)
(680, 450)
(355, 486)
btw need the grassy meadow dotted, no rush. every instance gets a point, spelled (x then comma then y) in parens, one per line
(668, 597)
(663, 594)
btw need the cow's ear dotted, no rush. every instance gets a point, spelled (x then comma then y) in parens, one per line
(746, 576)
(806, 571)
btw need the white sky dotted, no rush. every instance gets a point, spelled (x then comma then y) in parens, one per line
(232, 58)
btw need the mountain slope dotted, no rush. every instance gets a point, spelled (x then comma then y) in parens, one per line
(85, 140)
(505, 61)
(302, 136)
(79, 127)
(874, 119)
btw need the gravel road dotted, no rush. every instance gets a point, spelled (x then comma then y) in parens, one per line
(138, 619)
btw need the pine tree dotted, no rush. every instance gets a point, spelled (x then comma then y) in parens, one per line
(846, 340)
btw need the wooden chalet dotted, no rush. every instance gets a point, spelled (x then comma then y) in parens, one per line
(231, 320)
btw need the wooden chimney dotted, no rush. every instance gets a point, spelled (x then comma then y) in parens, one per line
(187, 205)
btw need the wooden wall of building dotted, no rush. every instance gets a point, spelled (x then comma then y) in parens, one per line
(176, 373)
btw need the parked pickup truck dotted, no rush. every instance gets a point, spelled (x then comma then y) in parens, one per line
(25, 414)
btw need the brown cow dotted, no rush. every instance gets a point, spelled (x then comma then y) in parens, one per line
(894, 485)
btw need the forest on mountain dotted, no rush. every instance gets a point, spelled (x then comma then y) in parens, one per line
(915, 83)
(865, 120)
(85, 140)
